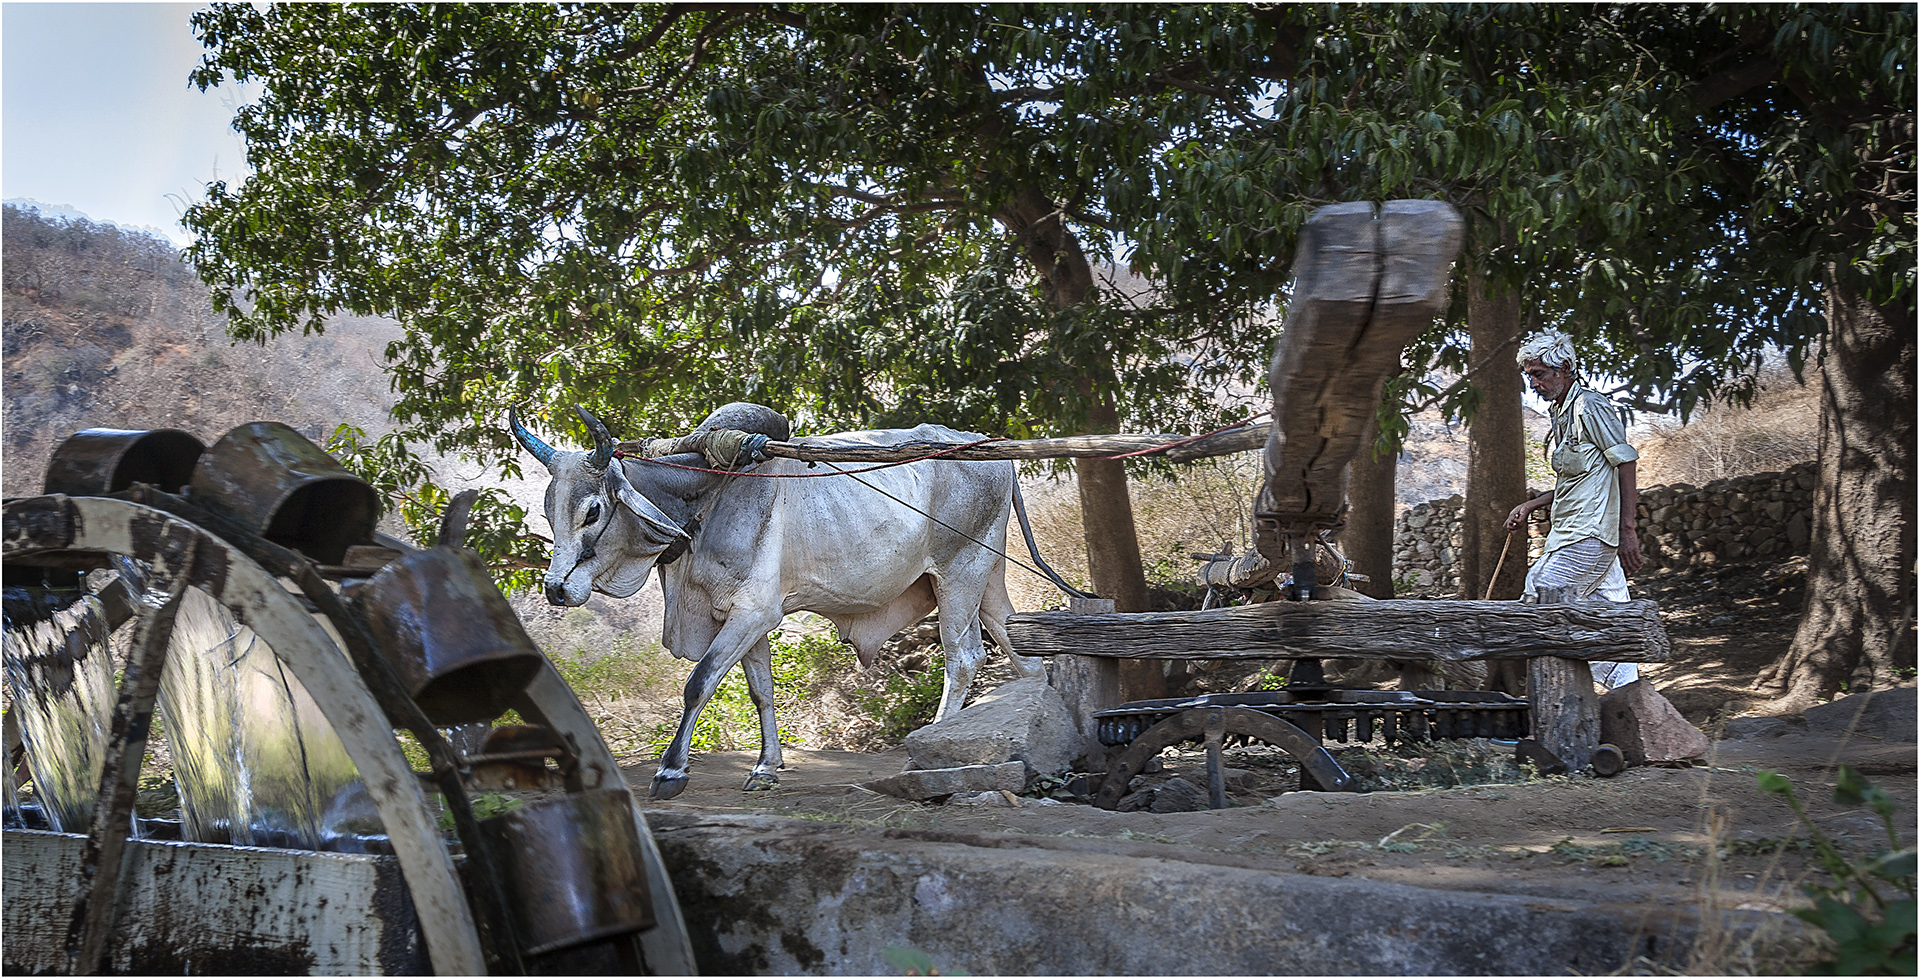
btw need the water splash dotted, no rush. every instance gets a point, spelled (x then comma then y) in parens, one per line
(59, 675)
(256, 762)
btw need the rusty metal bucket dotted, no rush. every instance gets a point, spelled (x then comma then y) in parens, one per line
(99, 461)
(574, 869)
(286, 489)
(450, 635)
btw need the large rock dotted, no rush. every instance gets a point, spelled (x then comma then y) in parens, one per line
(1885, 714)
(920, 785)
(1646, 728)
(1021, 721)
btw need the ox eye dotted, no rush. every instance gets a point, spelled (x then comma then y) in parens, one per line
(593, 515)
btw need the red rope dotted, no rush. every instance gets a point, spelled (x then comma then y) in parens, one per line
(1187, 441)
(838, 472)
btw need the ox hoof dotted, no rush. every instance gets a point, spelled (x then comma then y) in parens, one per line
(666, 788)
(761, 782)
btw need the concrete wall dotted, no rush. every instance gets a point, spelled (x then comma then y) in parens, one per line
(1681, 526)
(777, 896)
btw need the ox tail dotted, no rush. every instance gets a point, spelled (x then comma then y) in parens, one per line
(1033, 549)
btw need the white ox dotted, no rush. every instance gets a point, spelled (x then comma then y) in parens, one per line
(737, 553)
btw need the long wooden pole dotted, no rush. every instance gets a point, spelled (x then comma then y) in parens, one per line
(1178, 448)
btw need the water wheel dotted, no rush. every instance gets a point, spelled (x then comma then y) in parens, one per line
(283, 598)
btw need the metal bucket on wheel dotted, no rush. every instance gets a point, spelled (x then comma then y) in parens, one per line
(286, 489)
(98, 461)
(450, 635)
(574, 868)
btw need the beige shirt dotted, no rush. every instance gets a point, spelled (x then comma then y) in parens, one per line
(1586, 446)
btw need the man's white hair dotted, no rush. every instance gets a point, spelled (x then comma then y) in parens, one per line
(1552, 348)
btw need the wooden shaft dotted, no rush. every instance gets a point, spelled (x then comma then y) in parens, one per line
(1076, 447)
(1623, 632)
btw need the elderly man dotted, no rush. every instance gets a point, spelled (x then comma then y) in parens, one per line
(1591, 545)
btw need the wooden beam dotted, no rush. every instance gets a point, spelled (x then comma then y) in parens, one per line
(1087, 684)
(1624, 632)
(1178, 448)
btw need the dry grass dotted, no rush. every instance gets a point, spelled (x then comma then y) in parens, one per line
(1780, 428)
(1204, 506)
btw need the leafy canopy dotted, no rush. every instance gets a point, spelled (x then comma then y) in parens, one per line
(842, 210)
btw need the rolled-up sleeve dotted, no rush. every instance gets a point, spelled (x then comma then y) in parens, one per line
(1603, 427)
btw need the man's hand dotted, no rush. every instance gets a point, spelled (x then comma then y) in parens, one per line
(1520, 513)
(1631, 560)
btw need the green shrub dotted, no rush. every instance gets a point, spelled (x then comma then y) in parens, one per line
(1866, 910)
(626, 670)
(801, 666)
(905, 701)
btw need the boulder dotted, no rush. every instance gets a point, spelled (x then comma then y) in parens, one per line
(1646, 728)
(919, 785)
(1887, 714)
(1024, 720)
(1178, 795)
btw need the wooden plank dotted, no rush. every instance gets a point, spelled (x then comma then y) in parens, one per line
(1179, 448)
(1624, 632)
(200, 908)
(1087, 684)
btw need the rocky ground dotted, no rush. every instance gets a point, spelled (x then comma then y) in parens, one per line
(1705, 835)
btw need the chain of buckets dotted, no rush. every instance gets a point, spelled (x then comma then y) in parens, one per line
(254, 760)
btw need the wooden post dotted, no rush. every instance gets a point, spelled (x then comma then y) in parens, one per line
(1087, 684)
(1566, 712)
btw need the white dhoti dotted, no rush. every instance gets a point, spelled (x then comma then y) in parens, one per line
(1591, 568)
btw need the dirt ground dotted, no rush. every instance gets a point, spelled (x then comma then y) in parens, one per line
(1660, 837)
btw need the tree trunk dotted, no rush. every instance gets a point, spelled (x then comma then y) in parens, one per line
(1106, 515)
(1367, 539)
(1496, 458)
(1860, 565)
(1106, 509)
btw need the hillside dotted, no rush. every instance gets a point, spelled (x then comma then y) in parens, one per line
(107, 328)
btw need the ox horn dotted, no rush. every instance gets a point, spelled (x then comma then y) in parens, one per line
(602, 440)
(529, 441)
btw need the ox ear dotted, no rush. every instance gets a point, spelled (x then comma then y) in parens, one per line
(658, 523)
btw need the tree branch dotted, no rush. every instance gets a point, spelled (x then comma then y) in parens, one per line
(1721, 86)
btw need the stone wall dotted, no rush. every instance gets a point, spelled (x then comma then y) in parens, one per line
(1681, 526)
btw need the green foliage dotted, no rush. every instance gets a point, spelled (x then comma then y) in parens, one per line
(730, 722)
(486, 805)
(906, 702)
(704, 205)
(622, 671)
(496, 527)
(1865, 909)
(1270, 678)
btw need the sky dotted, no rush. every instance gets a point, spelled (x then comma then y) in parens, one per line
(96, 112)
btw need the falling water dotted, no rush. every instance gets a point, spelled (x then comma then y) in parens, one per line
(256, 762)
(59, 676)
(254, 759)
